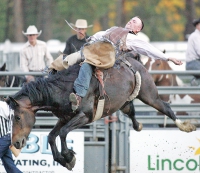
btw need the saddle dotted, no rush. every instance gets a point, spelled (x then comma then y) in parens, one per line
(100, 54)
(99, 74)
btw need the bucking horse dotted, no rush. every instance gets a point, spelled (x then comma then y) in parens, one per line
(52, 94)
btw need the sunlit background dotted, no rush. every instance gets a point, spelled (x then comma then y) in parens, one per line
(165, 20)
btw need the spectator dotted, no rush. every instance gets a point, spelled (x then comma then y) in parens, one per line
(34, 53)
(5, 139)
(193, 48)
(75, 42)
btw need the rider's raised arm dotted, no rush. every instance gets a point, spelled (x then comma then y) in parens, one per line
(145, 48)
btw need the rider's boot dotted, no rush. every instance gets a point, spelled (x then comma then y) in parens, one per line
(75, 100)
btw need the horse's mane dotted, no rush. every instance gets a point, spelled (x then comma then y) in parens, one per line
(43, 88)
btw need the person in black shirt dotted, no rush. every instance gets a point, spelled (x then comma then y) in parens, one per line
(75, 42)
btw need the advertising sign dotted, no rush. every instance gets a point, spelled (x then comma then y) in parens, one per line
(36, 156)
(164, 151)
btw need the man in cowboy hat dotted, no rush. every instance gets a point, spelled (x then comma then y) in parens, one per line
(193, 48)
(125, 39)
(34, 53)
(75, 42)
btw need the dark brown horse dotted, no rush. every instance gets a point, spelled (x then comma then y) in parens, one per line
(3, 78)
(170, 80)
(52, 94)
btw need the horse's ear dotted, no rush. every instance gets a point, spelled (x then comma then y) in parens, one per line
(35, 108)
(13, 101)
(45, 108)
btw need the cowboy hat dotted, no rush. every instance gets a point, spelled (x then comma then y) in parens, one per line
(196, 21)
(32, 30)
(81, 23)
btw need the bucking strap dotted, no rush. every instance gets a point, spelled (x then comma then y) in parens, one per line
(101, 100)
(99, 76)
(128, 64)
(137, 79)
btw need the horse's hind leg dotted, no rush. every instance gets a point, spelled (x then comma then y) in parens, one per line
(149, 95)
(128, 109)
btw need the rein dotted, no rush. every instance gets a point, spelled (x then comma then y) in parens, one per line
(13, 80)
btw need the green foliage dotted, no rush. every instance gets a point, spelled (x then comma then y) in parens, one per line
(164, 19)
(3, 7)
(76, 9)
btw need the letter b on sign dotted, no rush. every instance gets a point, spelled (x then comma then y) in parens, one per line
(31, 145)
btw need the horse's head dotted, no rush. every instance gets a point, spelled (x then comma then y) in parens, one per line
(23, 121)
(161, 79)
(3, 78)
(152, 64)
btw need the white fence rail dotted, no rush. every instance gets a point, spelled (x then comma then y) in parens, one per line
(139, 106)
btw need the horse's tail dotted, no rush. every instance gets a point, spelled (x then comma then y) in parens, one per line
(137, 86)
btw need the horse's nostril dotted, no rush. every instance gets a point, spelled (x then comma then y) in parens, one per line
(17, 145)
(23, 142)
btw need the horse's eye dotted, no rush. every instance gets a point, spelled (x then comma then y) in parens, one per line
(17, 118)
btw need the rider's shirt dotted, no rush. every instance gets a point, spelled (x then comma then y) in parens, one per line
(136, 44)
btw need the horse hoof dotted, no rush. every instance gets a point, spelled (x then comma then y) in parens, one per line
(185, 126)
(140, 127)
(70, 165)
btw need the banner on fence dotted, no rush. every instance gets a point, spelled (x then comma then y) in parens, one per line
(164, 151)
(36, 156)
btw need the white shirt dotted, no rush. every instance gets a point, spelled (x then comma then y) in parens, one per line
(193, 46)
(5, 110)
(5, 113)
(138, 45)
(32, 58)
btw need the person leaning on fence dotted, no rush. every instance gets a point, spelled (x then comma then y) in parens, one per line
(34, 53)
(193, 48)
(5, 139)
(128, 41)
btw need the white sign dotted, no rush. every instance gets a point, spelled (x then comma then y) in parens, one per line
(36, 156)
(164, 151)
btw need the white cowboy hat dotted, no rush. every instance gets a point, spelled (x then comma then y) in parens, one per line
(32, 30)
(81, 23)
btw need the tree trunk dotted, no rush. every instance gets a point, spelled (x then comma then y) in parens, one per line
(44, 19)
(8, 32)
(121, 17)
(18, 21)
(104, 22)
(190, 15)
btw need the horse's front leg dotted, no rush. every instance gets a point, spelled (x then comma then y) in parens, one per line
(78, 121)
(51, 139)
